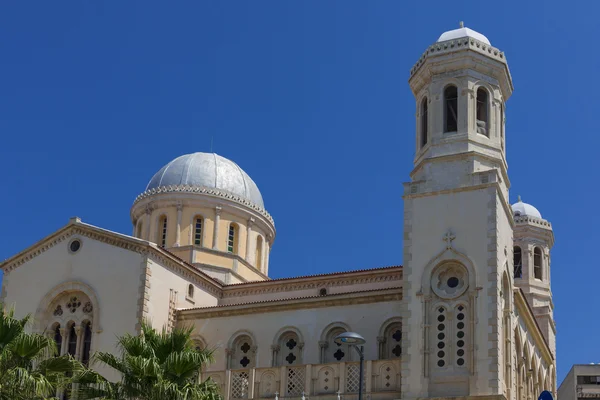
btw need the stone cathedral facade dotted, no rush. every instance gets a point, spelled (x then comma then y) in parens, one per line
(469, 314)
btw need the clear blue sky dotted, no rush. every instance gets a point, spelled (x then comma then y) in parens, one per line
(311, 99)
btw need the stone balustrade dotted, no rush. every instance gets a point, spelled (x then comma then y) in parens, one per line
(324, 381)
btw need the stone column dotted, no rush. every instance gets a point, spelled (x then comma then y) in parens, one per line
(275, 351)
(148, 223)
(323, 347)
(63, 345)
(178, 228)
(267, 247)
(248, 234)
(78, 345)
(216, 228)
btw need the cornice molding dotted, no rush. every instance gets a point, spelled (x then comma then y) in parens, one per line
(303, 283)
(203, 190)
(114, 239)
(341, 299)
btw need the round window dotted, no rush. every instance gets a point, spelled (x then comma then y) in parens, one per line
(75, 245)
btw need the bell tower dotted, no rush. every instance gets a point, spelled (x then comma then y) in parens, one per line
(458, 224)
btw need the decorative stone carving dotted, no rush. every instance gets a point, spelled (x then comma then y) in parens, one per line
(448, 238)
(450, 280)
(58, 311)
(88, 308)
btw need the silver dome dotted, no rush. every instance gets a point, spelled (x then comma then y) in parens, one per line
(207, 170)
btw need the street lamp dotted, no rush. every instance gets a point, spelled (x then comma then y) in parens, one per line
(355, 340)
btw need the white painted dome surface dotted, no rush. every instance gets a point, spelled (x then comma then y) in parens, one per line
(207, 170)
(461, 33)
(524, 209)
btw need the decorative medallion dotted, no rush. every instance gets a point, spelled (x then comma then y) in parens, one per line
(73, 304)
(58, 311)
(449, 280)
(88, 308)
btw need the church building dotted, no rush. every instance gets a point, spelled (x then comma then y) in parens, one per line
(469, 313)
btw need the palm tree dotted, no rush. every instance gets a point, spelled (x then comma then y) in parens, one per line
(29, 368)
(153, 366)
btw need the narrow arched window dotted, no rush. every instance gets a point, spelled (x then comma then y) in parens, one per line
(198, 222)
(57, 339)
(190, 291)
(482, 111)
(424, 126)
(393, 341)
(87, 343)
(460, 335)
(518, 262)
(259, 246)
(72, 342)
(289, 351)
(232, 239)
(162, 231)
(440, 333)
(537, 263)
(336, 352)
(450, 109)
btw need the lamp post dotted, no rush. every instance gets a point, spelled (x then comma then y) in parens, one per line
(355, 340)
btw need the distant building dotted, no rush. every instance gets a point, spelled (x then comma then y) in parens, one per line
(582, 382)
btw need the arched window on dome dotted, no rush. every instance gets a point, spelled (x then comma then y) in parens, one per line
(451, 109)
(424, 123)
(518, 262)
(190, 291)
(537, 263)
(482, 111)
(259, 252)
(162, 231)
(198, 226)
(232, 238)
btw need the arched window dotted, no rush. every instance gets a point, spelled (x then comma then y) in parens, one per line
(391, 346)
(451, 109)
(57, 339)
(190, 291)
(198, 223)
(139, 230)
(460, 335)
(440, 332)
(243, 353)
(72, 341)
(517, 262)
(87, 342)
(336, 352)
(259, 246)
(424, 126)
(61, 312)
(289, 350)
(162, 231)
(537, 263)
(482, 111)
(232, 239)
